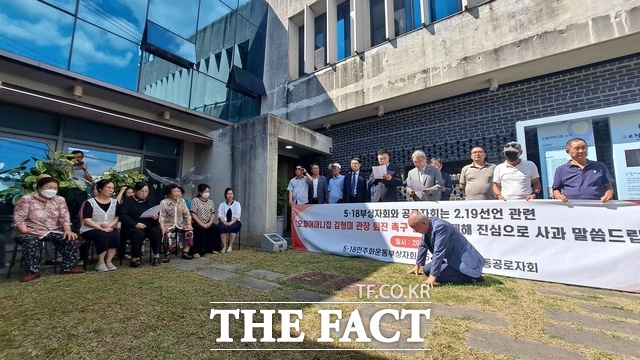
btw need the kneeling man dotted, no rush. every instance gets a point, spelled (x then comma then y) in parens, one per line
(454, 260)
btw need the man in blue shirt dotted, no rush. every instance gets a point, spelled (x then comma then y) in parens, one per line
(335, 184)
(580, 178)
(453, 259)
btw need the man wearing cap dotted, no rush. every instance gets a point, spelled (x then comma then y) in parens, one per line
(581, 178)
(335, 184)
(355, 184)
(515, 178)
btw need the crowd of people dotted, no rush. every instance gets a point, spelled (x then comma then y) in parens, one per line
(515, 178)
(110, 224)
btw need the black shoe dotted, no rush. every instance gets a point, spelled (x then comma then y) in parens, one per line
(477, 280)
(187, 256)
(136, 264)
(167, 259)
(50, 262)
(156, 262)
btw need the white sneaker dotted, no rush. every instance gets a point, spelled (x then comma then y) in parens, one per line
(229, 249)
(102, 267)
(110, 266)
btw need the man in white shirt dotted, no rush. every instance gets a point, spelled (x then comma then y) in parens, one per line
(515, 178)
(298, 188)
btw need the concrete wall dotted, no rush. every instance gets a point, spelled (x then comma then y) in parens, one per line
(244, 156)
(512, 40)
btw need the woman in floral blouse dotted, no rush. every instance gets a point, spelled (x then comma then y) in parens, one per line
(43, 216)
(175, 223)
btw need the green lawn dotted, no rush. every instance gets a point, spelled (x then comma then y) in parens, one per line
(163, 312)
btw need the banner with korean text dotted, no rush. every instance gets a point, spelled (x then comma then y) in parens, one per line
(579, 242)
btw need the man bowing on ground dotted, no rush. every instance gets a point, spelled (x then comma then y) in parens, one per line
(453, 259)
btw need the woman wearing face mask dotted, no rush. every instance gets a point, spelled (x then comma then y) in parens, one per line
(43, 216)
(206, 237)
(136, 228)
(99, 220)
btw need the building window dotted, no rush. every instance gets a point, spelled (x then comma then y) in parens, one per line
(301, 50)
(344, 30)
(440, 9)
(406, 15)
(320, 42)
(378, 33)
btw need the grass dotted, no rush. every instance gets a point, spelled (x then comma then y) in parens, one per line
(163, 313)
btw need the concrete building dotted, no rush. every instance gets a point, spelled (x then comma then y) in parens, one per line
(229, 85)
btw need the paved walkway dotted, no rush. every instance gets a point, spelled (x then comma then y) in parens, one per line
(599, 324)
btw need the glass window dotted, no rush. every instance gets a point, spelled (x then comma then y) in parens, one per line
(99, 161)
(250, 48)
(104, 56)
(378, 29)
(255, 11)
(14, 151)
(179, 17)
(344, 31)
(102, 134)
(209, 96)
(37, 31)
(16, 118)
(320, 42)
(169, 46)
(162, 167)
(442, 8)
(125, 18)
(242, 107)
(301, 50)
(406, 15)
(215, 14)
(66, 5)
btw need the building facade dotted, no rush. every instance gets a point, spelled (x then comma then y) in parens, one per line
(246, 89)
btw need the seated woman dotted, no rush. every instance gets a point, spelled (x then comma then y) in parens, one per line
(206, 237)
(99, 220)
(175, 223)
(229, 220)
(125, 192)
(43, 216)
(135, 228)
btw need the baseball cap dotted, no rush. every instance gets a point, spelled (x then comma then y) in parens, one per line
(336, 165)
(512, 146)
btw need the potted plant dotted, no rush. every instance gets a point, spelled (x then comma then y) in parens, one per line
(124, 178)
(55, 164)
(281, 203)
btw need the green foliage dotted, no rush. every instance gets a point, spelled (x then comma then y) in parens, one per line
(124, 178)
(282, 197)
(55, 163)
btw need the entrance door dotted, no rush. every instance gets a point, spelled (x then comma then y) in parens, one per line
(162, 167)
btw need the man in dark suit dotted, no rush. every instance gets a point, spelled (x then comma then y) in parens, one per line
(385, 188)
(355, 184)
(318, 186)
(453, 259)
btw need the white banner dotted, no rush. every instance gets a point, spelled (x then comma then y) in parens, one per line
(580, 242)
(625, 140)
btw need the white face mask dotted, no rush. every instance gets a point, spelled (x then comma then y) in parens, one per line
(205, 195)
(49, 193)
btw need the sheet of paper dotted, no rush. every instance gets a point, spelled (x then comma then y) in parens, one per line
(378, 171)
(415, 185)
(152, 211)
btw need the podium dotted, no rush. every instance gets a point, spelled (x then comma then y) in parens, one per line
(273, 243)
